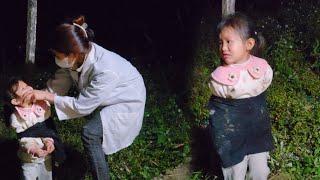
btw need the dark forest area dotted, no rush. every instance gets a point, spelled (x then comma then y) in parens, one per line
(159, 35)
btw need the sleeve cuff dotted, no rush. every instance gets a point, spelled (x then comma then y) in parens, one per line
(62, 108)
(59, 107)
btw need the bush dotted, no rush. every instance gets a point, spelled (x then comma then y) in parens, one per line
(300, 19)
(162, 144)
(294, 107)
(205, 60)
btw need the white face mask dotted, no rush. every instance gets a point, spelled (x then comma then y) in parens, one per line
(64, 63)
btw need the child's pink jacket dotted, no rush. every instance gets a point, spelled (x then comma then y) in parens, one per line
(237, 81)
(23, 119)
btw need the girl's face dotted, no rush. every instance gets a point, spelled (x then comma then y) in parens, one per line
(19, 90)
(233, 49)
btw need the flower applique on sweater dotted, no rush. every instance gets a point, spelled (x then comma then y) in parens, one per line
(244, 80)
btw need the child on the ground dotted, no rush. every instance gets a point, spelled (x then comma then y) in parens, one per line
(37, 136)
(238, 114)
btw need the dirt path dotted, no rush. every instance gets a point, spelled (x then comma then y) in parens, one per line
(181, 172)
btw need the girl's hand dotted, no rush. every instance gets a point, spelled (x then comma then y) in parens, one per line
(48, 145)
(38, 152)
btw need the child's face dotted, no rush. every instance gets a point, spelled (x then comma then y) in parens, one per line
(19, 90)
(233, 49)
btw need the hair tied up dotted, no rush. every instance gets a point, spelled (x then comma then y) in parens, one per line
(85, 25)
(82, 27)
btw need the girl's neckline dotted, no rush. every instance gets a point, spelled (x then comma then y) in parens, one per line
(87, 58)
(241, 64)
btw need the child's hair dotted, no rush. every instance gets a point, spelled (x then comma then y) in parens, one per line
(8, 95)
(11, 87)
(245, 27)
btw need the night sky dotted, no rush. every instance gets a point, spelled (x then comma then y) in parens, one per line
(149, 33)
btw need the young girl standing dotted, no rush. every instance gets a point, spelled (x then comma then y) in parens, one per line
(238, 116)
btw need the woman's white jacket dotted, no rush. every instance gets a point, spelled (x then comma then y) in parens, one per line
(108, 83)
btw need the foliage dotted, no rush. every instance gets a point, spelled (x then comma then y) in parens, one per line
(300, 19)
(205, 60)
(294, 107)
(162, 143)
(315, 54)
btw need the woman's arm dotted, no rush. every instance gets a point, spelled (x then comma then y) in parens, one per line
(89, 98)
(39, 95)
(59, 84)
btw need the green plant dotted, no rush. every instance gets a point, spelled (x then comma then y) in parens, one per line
(294, 105)
(199, 175)
(205, 60)
(315, 53)
(162, 143)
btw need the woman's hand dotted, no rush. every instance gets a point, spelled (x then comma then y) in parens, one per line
(38, 95)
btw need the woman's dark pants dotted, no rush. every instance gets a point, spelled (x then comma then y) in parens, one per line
(92, 141)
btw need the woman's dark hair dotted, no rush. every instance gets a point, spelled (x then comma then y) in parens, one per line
(245, 27)
(8, 95)
(70, 38)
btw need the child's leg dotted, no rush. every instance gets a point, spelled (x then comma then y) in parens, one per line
(258, 166)
(236, 172)
(45, 169)
(29, 171)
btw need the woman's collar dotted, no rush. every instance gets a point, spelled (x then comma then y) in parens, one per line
(87, 60)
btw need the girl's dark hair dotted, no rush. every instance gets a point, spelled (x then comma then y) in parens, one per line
(69, 38)
(8, 95)
(245, 27)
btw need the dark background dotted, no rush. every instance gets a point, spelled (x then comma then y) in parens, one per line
(156, 35)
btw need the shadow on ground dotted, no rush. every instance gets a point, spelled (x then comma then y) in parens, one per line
(204, 157)
(74, 168)
(9, 162)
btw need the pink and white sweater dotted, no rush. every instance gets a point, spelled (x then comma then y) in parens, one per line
(238, 81)
(24, 118)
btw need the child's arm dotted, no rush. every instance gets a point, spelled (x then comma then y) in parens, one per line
(218, 89)
(267, 77)
(15, 124)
